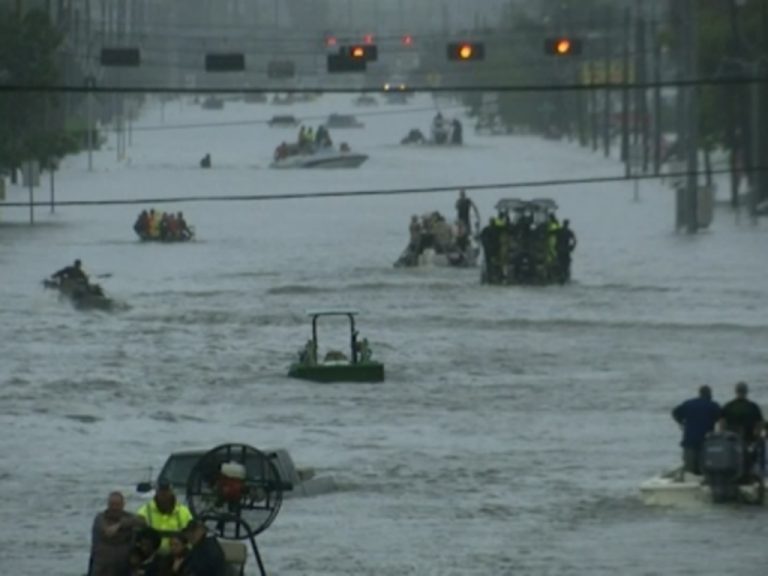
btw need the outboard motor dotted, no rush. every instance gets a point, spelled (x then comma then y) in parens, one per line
(722, 463)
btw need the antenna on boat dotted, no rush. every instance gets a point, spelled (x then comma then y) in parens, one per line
(236, 491)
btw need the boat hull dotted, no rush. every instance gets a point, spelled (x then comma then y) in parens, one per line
(678, 489)
(80, 296)
(360, 372)
(340, 160)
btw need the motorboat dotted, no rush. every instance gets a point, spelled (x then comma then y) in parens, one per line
(213, 103)
(336, 366)
(82, 295)
(283, 121)
(366, 100)
(528, 242)
(329, 157)
(721, 481)
(337, 121)
(436, 242)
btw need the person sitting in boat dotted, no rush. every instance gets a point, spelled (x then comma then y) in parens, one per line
(74, 273)
(364, 350)
(206, 556)
(697, 417)
(141, 226)
(281, 151)
(206, 161)
(183, 231)
(414, 136)
(154, 223)
(307, 354)
(171, 227)
(344, 147)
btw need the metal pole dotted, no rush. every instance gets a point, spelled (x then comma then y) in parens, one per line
(53, 189)
(625, 94)
(89, 102)
(692, 121)
(31, 194)
(657, 122)
(608, 80)
(756, 129)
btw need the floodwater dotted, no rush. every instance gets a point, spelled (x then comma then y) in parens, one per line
(515, 424)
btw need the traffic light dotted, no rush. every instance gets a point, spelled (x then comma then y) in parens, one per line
(407, 40)
(330, 41)
(343, 63)
(367, 52)
(368, 39)
(120, 57)
(562, 46)
(466, 51)
(225, 62)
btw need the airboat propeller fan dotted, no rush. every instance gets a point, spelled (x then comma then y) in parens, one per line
(236, 490)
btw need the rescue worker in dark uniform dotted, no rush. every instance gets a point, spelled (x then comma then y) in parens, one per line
(74, 273)
(463, 207)
(744, 418)
(697, 417)
(489, 238)
(565, 244)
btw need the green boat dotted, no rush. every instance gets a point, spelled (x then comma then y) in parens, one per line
(83, 296)
(335, 365)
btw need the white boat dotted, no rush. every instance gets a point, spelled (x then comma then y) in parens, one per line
(322, 158)
(723, 458)
(683, 489)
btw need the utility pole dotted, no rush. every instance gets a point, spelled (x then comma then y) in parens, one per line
(608, 65)
(642, 93)
(692, 117)
(625, 94)
(657, 121)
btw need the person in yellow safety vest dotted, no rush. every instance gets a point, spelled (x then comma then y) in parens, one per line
(165, 514)
(154, 224)
(553, 227)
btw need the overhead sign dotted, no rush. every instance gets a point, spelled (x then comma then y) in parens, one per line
(225, 62)
(120, 57)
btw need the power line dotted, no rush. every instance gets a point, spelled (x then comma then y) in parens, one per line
(521, 88)
(369, 193)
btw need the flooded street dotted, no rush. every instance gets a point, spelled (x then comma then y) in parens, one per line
(515, 424)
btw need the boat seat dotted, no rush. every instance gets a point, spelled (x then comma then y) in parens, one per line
(235, 554)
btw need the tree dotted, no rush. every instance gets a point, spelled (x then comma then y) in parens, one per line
(28, 46)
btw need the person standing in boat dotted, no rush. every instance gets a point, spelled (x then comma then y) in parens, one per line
(112, 537)
(744, 418)
(565, 244)
(463, 207)
(697, 417)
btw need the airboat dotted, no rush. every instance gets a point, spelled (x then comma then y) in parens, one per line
(336, 366)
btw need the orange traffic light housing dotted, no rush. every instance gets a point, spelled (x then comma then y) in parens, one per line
(466, 51)
(562, 46)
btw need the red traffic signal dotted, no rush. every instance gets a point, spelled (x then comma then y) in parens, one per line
(562, 46)
(368, 39)
(466, 51)
(407, 40)
(330, 41)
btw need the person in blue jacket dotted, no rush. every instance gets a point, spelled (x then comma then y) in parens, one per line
(697, 417)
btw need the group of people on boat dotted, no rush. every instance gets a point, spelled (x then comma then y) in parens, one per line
(530, 246)
(309, 141)
(443, 131)
(161, 539)
(433, 231)
(700, 417)
(163, 226)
